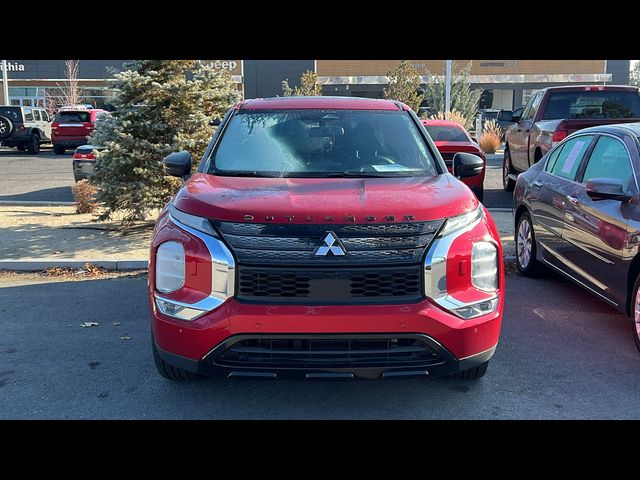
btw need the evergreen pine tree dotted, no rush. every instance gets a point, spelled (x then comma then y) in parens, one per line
(162, 106)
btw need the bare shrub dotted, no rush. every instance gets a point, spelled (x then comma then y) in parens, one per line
(84, 195)
(453, 116)
(490, 142)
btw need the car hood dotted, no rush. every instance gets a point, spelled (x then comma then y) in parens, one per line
(304, 200)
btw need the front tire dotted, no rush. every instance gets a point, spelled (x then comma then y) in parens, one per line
(58, 150)
(33, 146)
(525, 239)
(508, 184)
(635, 312)
(170, 372)
(472, 373)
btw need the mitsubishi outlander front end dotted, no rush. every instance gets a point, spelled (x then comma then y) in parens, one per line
(323, 237)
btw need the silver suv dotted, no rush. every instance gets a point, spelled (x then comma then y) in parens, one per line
(25, 128)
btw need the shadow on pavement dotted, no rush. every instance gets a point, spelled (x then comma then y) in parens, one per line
(55, 194)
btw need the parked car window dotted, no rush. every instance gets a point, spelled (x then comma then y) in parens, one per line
(593, 104)
(320, 142)
(445, 133)
(532, 106)
(609, 159)
(73, 117)
(553, 158)
(28, 115)
(568, 161)
(36, 115)
(45, 115)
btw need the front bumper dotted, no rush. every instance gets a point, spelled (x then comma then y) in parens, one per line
(197, 346)
(440, 363)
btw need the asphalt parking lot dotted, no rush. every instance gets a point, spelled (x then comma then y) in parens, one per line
(46, 177)
(563, 354)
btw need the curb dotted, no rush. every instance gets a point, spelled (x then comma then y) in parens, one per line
(500, 210)
(35, 265)
(35, 203)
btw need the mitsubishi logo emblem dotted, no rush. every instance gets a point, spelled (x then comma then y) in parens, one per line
(330, 244)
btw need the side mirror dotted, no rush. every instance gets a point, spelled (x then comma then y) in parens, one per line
(515, 117)
(215, 122)
(177, 164)
(607, 189)
(467, 165)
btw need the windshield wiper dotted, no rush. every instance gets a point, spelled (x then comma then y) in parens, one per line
(404, 173)
(232, 173)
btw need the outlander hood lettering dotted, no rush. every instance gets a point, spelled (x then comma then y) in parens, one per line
(329, 245)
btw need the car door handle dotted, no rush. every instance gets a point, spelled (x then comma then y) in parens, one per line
(537, 183)
(518, 130)
(573, 200)
(527, 130)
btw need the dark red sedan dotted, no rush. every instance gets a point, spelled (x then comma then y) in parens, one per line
(451, 138)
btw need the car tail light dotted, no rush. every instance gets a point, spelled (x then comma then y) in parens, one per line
(560, 133)
(84, 156)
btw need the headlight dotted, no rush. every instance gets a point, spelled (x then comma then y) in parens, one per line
(484, 266)
(170, 266)
(454, 224)
(197, 223)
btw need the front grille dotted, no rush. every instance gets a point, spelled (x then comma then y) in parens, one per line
(334, 286)
(365, 244)
(309, 353)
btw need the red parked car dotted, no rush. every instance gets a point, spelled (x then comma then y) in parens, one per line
(323, 237)
(72, 126)
(451, 138)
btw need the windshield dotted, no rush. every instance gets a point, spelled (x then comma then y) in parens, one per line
(322, 143)
(441, 133)
(593, 104)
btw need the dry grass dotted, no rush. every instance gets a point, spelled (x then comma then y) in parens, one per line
(84, 195)
(490, 140)
(454, 116)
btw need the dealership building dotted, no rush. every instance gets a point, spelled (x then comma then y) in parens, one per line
(505, 83)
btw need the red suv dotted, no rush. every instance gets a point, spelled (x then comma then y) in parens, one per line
(324, 238)
(72, 126)
(451, 138)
